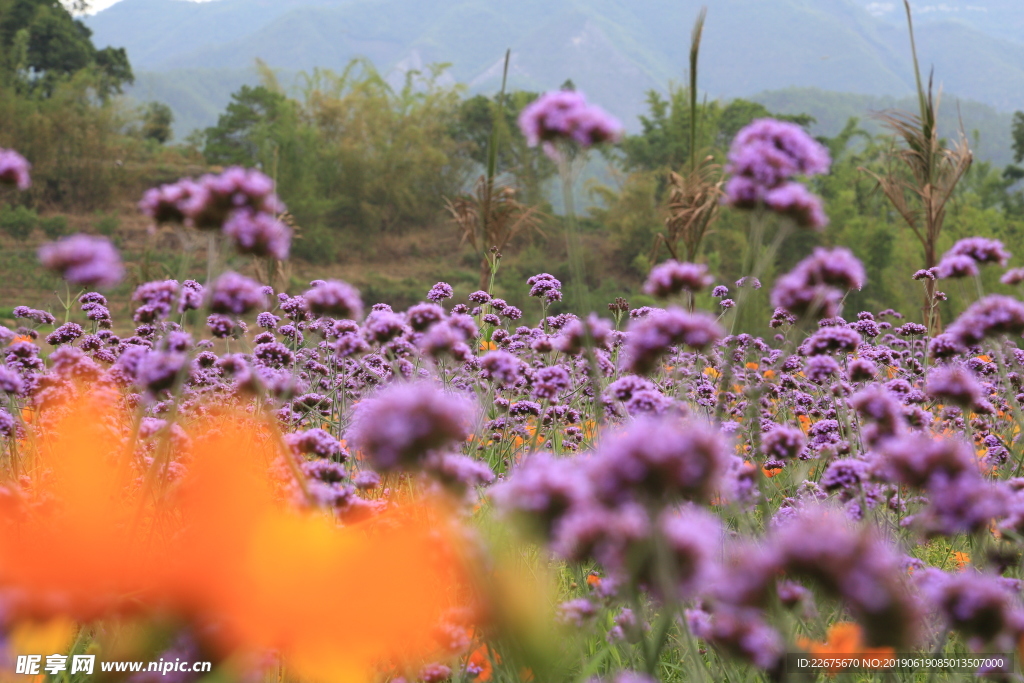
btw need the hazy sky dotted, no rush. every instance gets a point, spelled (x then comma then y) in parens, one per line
(97, 5)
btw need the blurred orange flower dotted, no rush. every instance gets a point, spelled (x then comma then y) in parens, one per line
(843, 638)
(74, 538)
(224, 544)
(481, 661)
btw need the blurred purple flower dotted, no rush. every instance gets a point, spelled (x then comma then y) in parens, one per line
(258, 233)
(14, 169)
(83, 260)
(566, 115)
(650, 337)
(402, 424)
(236, 294)
(672, 277)
(335, 298)
(981, 250)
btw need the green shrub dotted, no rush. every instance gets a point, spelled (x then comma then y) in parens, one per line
(54, 226)
(317, 245)
(18, 221)
(106, 224)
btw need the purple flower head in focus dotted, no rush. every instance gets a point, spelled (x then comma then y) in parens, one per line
(543, 285)
(83, 260)
(440, 292)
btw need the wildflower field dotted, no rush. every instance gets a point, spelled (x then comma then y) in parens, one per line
(308, 486)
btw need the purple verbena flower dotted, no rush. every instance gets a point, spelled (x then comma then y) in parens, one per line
(403, 423)
(672, 277)
(235, 294)
(335, 298)
(14, 169)
(83, 260)
(565, 115)
(650, 337)
(258, 233)
(440, 292)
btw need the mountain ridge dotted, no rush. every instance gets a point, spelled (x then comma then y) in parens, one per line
(614, 50)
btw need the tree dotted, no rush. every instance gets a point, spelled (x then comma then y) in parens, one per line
(528, 167)
(242, 128)
(156, 122)
(41, 44)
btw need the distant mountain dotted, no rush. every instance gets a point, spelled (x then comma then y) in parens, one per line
(987, 129)
(998, 18)
(614, 50)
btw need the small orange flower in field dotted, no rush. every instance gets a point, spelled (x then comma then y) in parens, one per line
(22, 338)
(842, 639)
(752, 366)
(961, 559)
(805, 423)
(770, 472)
(593, 580)
(488, 346)
(769, 374)
(481, 661)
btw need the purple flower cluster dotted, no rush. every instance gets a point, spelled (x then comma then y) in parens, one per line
(403, 424)
(565, 115)
(762, 160)
(818, 283)
(651, 337)
(83, 260)
(239, 201)
(335, 298)
(14, 169)
(672, 277)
